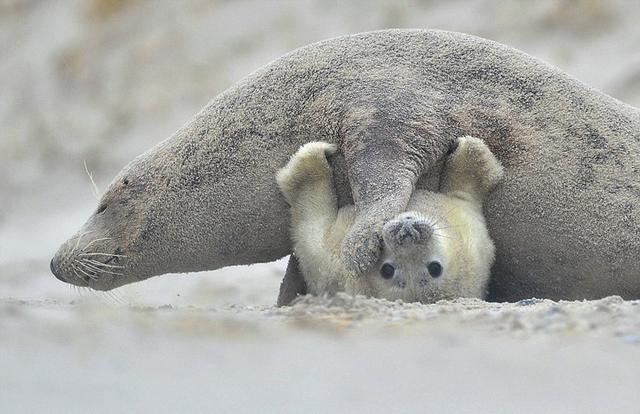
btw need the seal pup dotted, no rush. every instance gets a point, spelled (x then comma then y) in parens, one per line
(565, 220)
(439, 249)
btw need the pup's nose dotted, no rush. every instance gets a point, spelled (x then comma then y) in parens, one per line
(55, 269)
(414, 230)
(407, 230)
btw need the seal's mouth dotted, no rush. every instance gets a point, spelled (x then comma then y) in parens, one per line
(98, 268)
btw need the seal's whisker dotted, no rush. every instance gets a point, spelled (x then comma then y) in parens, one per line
(108, 298)
(121, 297)
(93, 241)
(446, 213)
(99, 270)
(451, 209)
(92, 274)
(102, 254)
(446, 237)
(100, 264)
(115, 297)
(449, 227)
(79, 239)
(94, 187)
(84, 272)
(75, 272)
(105, 297)
(91, 267)
(108, 295)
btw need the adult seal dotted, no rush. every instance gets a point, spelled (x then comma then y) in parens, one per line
(565, 220)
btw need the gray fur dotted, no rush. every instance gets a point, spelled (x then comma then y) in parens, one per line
(565, 220)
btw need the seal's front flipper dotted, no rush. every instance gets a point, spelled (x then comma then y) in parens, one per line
(307, 184)
(381, 187)
(307, 177)
(293, 284)
(471, 170)
(388, 143)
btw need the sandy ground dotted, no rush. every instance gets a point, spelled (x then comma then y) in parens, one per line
(321, 355)
(101, 80)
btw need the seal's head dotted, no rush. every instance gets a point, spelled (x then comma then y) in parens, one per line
(116, 245)
(442, 251)
(415, 258)
(184, 206)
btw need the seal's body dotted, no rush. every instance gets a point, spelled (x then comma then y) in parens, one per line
(565, 221)
(439, 249)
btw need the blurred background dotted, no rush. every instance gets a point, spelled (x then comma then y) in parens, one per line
(97, 82)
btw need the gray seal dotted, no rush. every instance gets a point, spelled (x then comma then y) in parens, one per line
(565, 220)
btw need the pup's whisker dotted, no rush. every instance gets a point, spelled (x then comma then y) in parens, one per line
(449, 227)
(446, 237)
(451, 209)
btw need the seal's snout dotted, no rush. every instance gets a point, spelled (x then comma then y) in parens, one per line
(406, 230)
(55, 269)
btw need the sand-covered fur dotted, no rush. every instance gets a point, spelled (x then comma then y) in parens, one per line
(439, 249)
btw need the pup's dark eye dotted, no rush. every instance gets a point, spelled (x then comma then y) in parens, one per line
(435, 269)
(387, 271)
(125, 181)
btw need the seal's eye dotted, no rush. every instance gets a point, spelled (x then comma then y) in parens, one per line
(125, 181)
(387, 271)
(435, 269)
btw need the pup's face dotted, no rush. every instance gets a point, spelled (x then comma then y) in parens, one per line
(415, 258)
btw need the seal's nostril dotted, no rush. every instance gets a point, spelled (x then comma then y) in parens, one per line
(56, 270)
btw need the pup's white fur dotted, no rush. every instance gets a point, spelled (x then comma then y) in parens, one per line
(446, 228)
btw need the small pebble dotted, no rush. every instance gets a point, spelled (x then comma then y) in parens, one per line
(527, 302)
